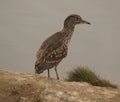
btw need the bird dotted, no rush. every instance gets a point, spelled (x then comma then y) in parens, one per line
(55, 48)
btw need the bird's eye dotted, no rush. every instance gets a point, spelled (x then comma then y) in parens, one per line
(77, 19)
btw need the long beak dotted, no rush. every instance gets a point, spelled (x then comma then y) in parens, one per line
(85, 22)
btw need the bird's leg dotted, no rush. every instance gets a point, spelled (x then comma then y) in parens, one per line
(48, 73)
(56, 72)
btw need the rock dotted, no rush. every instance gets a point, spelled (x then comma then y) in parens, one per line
(21, 87)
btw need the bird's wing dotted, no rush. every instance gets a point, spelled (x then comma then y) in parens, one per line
(52, 53)
(52, 50)
(57, 54)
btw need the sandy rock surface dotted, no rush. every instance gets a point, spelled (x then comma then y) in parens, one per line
(22, 87)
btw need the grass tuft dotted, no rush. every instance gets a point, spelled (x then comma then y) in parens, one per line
(84, 74)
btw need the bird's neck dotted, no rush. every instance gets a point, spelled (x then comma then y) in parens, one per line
(68, 31)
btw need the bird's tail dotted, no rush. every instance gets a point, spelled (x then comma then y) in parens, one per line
(38, 68)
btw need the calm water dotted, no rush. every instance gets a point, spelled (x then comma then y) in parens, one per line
(25, 24)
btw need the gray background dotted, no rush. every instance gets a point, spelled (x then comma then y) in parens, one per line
(25, 24)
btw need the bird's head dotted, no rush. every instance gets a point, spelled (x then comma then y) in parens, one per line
(74, 19)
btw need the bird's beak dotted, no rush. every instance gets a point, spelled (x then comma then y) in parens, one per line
(85, 22)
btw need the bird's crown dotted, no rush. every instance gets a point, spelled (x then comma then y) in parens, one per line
(74, 19)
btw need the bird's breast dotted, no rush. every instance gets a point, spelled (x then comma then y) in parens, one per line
(67, 38)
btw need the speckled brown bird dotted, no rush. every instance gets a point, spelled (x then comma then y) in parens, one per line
(55, 47)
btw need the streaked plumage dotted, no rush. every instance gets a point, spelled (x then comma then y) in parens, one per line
(55, 48)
